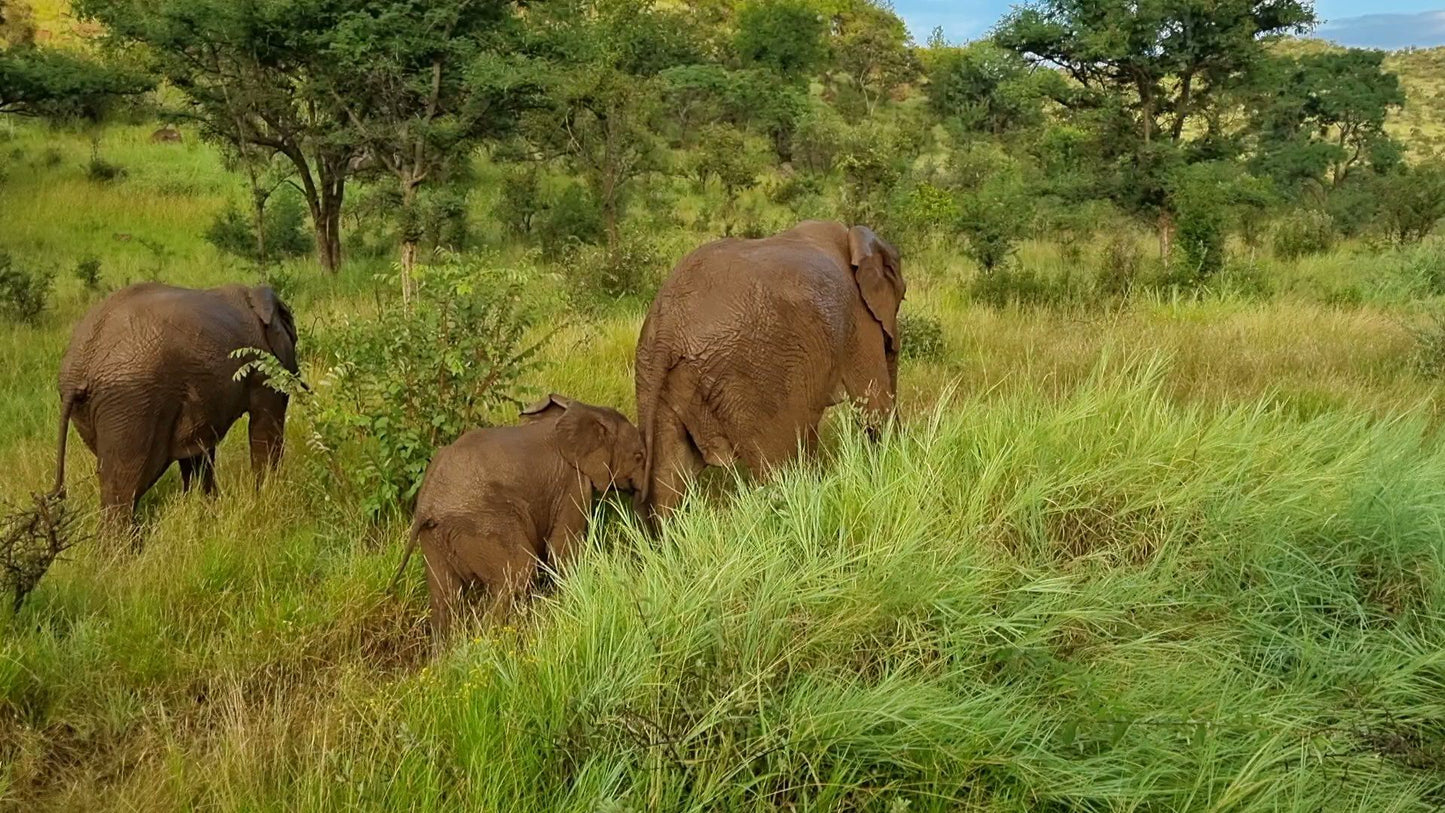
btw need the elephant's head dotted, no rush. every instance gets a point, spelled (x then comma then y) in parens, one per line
(600, 442)
(879, 273)
(277, 322)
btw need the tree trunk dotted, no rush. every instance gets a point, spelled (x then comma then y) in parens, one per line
(1166, 235)
(258, 213)
(408, 239)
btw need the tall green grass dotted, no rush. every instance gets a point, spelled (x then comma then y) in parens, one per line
(1101, 601)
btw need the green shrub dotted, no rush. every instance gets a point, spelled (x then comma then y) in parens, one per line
(573, 217)
(287, 233)
(102, 171)
(87, 271)
(1303, 233)
(596, 276)
(920, 336)
(1119, 265)
(1023, 286)
(396, 386)
(24, 293)
(1412, 201)
(521, 199)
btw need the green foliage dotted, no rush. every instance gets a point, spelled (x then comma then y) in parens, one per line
(1209, 199)
(984, 88)
(785, 36)
(234, 232)
(924, 211)
(598, 276)
(573, 217)
(996, 206)
(1120, 265)
(1412, 201)
(1151, 82)
(522, 199)
(1019, 285)
(24, 292)
(63, 85)
(723, 155)
(100, 170)
(87, 273)
(395, 387)
(920, 335)
(1321, 117)
(1304, 232)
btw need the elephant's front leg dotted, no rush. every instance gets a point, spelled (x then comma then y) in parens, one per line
(267, 430)
(569, 530)
(203, 466)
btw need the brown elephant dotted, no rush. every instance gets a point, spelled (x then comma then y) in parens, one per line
(499, 502)
(748, 341)
(148, 379)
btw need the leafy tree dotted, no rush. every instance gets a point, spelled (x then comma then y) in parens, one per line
(56, 84)
(604, 92)
(254, 73)
(421, 83)
(784, 36)
(1320, 117)
(1412, 201)
(723, 155)
(1153, 78)
(986, 88)
(870, 46)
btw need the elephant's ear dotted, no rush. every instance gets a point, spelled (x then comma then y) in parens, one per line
(875, 267)
(550, 407)
(585, 441)
(278, 322)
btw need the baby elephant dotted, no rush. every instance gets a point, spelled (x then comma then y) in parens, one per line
(498, 502)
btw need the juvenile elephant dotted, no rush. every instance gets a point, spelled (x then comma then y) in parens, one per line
(501, 501)
(748, 341)
(148, 379)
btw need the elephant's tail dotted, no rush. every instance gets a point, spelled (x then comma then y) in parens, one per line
(416, 528)
(67, 405)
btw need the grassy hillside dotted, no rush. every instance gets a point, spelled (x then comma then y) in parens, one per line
(1178, 552)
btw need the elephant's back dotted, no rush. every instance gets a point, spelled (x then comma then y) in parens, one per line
(730, 289)
(482, 472)
(151, 329)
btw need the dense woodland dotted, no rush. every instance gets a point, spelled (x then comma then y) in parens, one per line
(1162, 524)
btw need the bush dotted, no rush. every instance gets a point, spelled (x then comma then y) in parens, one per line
(925, 211)
(1303, 233)
(521, 199)
(102, 171)
(287, 234)
(401, 384)
(1412, 201)
(1119, 265)
(921, 336)
(87, 271)
(596, 276)
(23, 293)
(1023, 286)
(573, 217)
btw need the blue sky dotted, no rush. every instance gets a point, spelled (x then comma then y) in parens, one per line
(1383, 24)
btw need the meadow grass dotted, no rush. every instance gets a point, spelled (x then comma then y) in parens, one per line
(1177, 552)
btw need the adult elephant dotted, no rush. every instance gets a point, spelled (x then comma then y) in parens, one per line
(148, 378)
(749, 341)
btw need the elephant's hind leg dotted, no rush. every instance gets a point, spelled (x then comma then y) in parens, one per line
(131, 459)
(676, 461)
